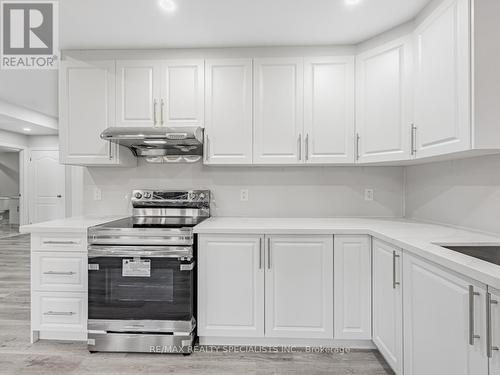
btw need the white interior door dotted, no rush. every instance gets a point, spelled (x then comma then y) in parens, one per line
(329, 109)
(46, 186)
(299, 286)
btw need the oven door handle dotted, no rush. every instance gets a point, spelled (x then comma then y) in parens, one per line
(181, 252)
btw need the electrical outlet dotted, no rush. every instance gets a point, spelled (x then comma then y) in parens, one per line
(244, 195)
(369, 195)
(97, 194)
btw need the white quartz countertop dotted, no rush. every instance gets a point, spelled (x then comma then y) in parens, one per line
(76, 224)
(418, 238)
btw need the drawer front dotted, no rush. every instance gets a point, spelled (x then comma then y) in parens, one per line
(59, 272)
(59, 242)
(59, 311)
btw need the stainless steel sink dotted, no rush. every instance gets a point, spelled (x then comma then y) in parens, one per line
(488, 253)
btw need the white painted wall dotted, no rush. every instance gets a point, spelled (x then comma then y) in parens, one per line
(9, 174)
(273, 191)
(463, 193)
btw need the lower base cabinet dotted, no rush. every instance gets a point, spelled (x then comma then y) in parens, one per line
(444, 321)
(292, 274)
(388, 303)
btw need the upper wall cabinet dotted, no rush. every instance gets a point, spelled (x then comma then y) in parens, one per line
(181, 102)
(86, 108)
(159, 93)
(138, 92)
(329, 110)
(278, 111)
(383, 117)
(228, 102)
(442, 80)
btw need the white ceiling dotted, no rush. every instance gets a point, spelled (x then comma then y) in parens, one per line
(19, 126)
(132, 24)
(227, 23)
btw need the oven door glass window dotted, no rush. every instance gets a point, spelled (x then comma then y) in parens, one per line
(127, 288)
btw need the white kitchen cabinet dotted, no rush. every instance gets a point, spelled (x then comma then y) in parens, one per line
(384, 102)
(438, 308)
(278, 111)
(493, 304)
(86, 108)
(329, 109)
(182, 89)
(388, 303)
(352, 281)
(138, 89)
(231, 286)
(442, 80)
(299, 286)
(228, 101)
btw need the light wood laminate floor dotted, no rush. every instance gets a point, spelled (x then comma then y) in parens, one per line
(18, 356)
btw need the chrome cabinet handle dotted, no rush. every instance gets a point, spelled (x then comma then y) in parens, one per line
(154, 112)
(161, 111)
(394, 282)
(207, 154)
(110, 155)
(357, 146)
(59, 313)
(299, 145)
(472, 335)
(60, 243)
(413, 137)
(269, 253)
(489, 329)
(59, 273)
(260, 253)
(307, 147)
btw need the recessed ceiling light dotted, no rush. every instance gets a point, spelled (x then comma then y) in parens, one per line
(27, 129)
(352, 2)
(167, 5)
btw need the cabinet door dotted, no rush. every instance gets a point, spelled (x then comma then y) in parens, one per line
(494, 306)
(181, 102)
(352, 287)
(228, 97)
(299, 286)
(442, 92)
(437, 306)
(138, 93)
(383, 117)
(388, 303)
(230, 286)
(329, 110)
(86, 108)
(278, 111)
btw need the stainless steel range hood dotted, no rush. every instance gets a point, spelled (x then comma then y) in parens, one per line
(160, 144)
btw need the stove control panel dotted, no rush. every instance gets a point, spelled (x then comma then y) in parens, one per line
(169, 197)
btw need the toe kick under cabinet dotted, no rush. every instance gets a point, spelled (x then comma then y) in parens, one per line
(59, 286)
(280, 288)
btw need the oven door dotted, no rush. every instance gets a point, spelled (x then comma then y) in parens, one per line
(140, 283)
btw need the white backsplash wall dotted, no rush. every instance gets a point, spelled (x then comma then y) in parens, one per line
(273, 191)
(463, 193)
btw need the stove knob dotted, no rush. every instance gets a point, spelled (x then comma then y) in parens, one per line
(147, 195)
(192, 196)
(202, 196)
(138, 195)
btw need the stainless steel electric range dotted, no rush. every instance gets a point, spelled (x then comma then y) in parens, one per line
(141, 278)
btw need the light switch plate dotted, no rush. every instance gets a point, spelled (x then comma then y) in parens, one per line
(97, 194)
(244, 195)
(369, 195)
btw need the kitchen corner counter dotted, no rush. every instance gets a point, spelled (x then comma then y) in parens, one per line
(419, 238)
(76, 224)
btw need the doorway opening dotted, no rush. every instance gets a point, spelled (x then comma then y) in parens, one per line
(10, 191)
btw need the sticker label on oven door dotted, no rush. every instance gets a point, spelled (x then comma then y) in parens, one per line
(136, 267)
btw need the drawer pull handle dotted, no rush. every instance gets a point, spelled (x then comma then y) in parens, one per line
(60, 313)
(59, 273)
(60, 242)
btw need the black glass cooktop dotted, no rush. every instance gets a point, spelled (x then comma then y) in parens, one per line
(154, 222)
